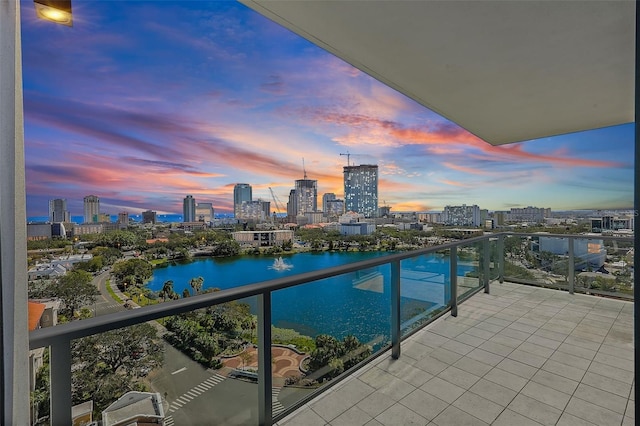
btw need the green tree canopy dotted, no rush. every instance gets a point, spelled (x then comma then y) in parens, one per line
(75, 289)
(140, 269)
(107, 364)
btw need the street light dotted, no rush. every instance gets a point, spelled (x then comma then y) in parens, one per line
(58, 11)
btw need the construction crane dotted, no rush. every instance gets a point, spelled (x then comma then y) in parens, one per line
(348, 155)
(276, 201)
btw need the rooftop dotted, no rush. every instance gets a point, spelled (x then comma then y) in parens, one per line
(520, 355)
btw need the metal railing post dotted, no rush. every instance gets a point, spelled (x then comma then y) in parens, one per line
(571, 265)
(486, 273)
(500, 258)
(395, 310)
(265, 378)
(453, 273)
(60, 377)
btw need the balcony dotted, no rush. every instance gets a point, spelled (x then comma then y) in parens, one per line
(517, 356)
(509, 354)
(504, 106)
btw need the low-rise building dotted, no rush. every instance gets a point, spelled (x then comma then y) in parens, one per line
(265, 238)
(135, 409)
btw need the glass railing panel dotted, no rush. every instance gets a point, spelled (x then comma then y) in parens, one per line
(211, 365)
(520, 259)
(604, 266)
(425, 289)
(188, 367)
(323, 328)
(470, 268)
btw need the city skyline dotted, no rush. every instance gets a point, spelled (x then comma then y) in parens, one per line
(142, 112)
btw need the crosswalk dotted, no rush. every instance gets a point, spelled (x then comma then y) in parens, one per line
(204, 386)
(195, 392)
(276, 406)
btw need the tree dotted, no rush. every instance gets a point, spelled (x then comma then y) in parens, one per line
(246, 358)
(107, 365)
(196, 284)
(226, 248)
(140, 269)
(75, 289)
(167, 290)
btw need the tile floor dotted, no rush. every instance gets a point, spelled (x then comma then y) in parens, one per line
(518, 356)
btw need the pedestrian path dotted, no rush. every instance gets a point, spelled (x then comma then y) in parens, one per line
(195, 392)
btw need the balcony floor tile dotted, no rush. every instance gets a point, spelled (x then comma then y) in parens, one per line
(518, 356)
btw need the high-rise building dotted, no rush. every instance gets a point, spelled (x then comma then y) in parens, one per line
(462, 215)
(292, 205)
(361, 189)
(306, 196)
(189, 209)
(241, 193)
(91, 209)
(123, 217)
(58, 211)
(326, 197)
(149, 217)
(528, 214)
(334, 208)
(204, 212)
(257, 210)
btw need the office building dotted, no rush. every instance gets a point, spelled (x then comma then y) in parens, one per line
(204, 212)
(292, 205)
(306, 196)
(334, 208)
(326, 197)
(361, 189)
(149, 217)
(58, 211)
(189, 209)
(91, 209)
(123, 218)
(528, 215)
(462, 215)
(241, 193)
(612, 223)
(254, 210)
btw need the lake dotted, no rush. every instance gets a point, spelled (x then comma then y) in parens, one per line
(357, 303)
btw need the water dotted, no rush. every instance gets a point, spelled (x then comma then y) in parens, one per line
(356, 303)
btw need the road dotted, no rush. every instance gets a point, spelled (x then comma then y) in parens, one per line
(104, 303)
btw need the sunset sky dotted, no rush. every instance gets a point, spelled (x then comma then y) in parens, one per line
(142, 103)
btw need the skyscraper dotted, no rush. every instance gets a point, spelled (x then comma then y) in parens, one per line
(123, 218)
(241, 192)
(189, 209)
(149, 217)
(292, 205)
(91, 209)
(58, 211)
(327, 196)
(361, 189)
(306, 196)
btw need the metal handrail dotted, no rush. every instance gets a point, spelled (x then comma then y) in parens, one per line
(59, 338)
(46, 336)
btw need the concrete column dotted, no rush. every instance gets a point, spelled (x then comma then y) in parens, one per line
(14, 339)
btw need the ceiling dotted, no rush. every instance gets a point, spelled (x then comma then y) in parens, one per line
(506, 71)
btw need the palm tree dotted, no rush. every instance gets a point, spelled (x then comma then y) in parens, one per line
(167, 290)
(196, 284)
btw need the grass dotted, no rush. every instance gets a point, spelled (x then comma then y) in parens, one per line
(111, 293)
